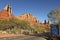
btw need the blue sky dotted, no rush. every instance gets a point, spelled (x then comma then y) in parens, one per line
(39, 8)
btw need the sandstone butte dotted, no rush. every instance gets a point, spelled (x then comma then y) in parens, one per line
(33, 20)
(6, 13)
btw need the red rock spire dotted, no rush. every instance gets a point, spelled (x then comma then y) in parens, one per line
(6, 12)
(44, 21)
(8, 9)
(48, 22)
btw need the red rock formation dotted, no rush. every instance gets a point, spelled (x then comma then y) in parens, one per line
(46, 24)
(33, 20)
(6, 13)
(30, 18)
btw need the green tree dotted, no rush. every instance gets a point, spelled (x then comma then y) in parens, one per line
(54, 16)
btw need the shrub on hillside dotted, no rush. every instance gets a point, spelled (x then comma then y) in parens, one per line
(14, 25)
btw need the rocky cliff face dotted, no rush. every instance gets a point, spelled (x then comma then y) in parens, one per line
(6, 13)
(32, 20)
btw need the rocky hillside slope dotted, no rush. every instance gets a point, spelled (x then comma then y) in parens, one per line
(31, 19)
(6, 13)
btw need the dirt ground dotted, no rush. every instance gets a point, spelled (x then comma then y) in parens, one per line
(9, 35)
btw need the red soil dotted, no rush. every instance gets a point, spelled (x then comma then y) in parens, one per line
(10, 35)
